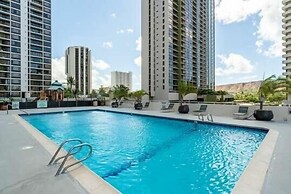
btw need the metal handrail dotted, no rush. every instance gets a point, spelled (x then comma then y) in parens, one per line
(8, 107)
(62, 144)
(201, 117)
(62, 169)
(209, 117)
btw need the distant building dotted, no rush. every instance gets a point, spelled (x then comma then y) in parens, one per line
(79, 66)
(287, 37)
(25, 47)
(240, 87)
(178, 44)
(121, 78)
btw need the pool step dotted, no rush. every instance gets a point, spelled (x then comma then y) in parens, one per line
(72, 151)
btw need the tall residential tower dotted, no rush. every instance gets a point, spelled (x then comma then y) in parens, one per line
(121, 78)
(79, 66)
(177, 45)
(25, 47)
(287, 37)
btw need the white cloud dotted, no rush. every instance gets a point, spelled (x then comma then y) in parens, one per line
(122, 31)
(113, 15)
(268, 30)
(107, 45)
(58, 69)
(233, 64)
(229, 11)
(100, 64)
(137, 61)
(129, 30)
(138, 44)
(98, 78)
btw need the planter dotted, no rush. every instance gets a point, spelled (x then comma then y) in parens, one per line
(138, 106)
(183, 109)
(263, 115)
(114, 104)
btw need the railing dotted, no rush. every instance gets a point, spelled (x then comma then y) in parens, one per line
(209, 117)
(72, 151)
(52, 161)
(63, 169)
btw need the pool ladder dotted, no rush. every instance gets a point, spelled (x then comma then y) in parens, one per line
(72, 151)
(209, 117)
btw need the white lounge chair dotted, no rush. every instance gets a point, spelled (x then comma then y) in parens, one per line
(168, 109)
(242, 113)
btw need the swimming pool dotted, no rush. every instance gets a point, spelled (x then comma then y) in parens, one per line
(140, 154)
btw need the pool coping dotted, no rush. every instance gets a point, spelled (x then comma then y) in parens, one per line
(90, 181)
(251, 180)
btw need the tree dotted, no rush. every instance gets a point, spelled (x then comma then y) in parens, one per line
(70, 82)
(283, 84)
(138, 95)
(267, 87)
(94, 94)
(75, 93)
(184, 89)
(221, 93)
(120, 91)
(68, 91)
(102, 92)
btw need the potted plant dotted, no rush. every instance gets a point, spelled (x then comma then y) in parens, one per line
(138, 98)
(4, 103)
(267, 87)
(119, 92)
(184, 89)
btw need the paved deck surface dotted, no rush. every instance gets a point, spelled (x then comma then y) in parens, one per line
(23, 160)
(23, 163)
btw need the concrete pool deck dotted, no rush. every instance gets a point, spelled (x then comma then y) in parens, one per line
(23, 159)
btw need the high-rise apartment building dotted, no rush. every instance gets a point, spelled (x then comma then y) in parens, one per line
(25, 47)
(177, 45)
(79, 66)
(121, 78)
(287, 37)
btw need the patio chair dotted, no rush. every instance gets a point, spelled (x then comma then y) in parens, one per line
(146, 105)
(202, 109)
(242, 113)
(168, 109)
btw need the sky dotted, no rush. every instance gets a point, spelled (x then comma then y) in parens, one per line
(248, 38)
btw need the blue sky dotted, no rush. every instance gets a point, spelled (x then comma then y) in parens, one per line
(248, 38)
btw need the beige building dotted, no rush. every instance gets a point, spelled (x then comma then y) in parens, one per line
(79, 66)
(178, 40)
(287, 37)
(121, 78)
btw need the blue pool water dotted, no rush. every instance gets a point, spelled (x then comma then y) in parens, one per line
(139, 154)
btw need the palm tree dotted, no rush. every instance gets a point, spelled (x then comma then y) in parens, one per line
(138, 95)
(75, 93)
(184, 89)
(221, 93)
(120, 91)
(283, 84)
(267, 87)
(70, 82)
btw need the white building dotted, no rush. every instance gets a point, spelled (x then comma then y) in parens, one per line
(79, 66)
(25, 47)
(287, 37)
(121, 78)
(177, 45)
